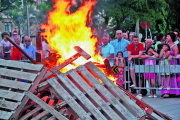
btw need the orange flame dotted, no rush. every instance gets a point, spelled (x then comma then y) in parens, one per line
(64, 30)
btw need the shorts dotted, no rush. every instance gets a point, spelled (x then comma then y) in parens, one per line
(152, 76)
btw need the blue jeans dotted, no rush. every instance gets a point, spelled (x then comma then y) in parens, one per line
(7, 56)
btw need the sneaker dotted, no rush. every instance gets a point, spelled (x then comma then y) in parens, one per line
(155, 96)
(133, 85)
(161, 87)
(139, 96)
(151, 96)
(168, 88)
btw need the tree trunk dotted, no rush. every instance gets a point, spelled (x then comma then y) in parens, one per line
(167, 27)
(104, 26)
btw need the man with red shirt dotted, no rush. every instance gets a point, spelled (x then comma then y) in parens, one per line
(135, 50)
(16, 54)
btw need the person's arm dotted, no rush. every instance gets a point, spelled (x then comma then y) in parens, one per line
(167, 54)
(11, 50)
(122, 62)
(145, 56)
(111, 50)
(34, 56)
(161, 53)
(116, 61)
(153, 52)
(111, 56)
(176, 50)
(137, 56)
(1, 45)
(129, 56)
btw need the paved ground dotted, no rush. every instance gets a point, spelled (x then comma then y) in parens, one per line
(168, 106)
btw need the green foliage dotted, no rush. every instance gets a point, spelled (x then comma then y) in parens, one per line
(120, 10)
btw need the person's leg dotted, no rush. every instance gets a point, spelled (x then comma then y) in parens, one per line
(168, 82)
(153, 85)
(8, 56)
(132, 75)
(141, 81)
(162, 82)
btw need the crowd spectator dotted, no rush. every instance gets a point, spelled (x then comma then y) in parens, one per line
(131, 36)
(29, 49)
(173, 53)
(6, 47)
(176, 32)
(135, 50)
(160, 39)
(125, 36)
(151, 77)
(107, 50)
(165, 53)
(45, 48)
(119, 61)
(16, 54)
(120, 44)
(148, 44)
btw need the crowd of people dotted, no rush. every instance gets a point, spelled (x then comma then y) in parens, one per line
(10, 52)
(127, 52)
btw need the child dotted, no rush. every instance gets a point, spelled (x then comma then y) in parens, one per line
(119, 61)
(150, 53)
(165, 53)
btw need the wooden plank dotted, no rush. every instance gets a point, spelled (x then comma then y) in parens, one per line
(40, 115)
(5, 115)
(18, 74)
(32, 88)
(126, 100)
(11, 95)
(82, 52)
(65, 63)
(81, 97)
(51, 118)
(8, 105)
(21, 65)
(69, 100)
(90, 91)
(42, 86)
(29, 114)
(14, 84)
(114, 101)
(45, 106)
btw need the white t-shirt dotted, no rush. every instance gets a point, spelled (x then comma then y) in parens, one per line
(6, 46)
(21, 45)
(45, 47)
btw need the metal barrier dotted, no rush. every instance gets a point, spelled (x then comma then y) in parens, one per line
(173, 69)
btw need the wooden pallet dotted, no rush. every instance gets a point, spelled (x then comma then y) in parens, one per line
(37, 112)
(12, 89)
(86, 97)
(147, 108)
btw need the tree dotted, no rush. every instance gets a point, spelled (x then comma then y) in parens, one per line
(123, 11)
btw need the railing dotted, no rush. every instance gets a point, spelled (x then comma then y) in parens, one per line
(140, 69)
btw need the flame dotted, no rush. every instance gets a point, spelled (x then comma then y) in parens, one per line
(64, 30)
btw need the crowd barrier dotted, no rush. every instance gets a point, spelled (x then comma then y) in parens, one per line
(158, 70)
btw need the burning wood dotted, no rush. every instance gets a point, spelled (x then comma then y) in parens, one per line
(80, 51)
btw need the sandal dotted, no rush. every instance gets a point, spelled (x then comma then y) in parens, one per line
(161, 87)
(168, 88)
(165, 96)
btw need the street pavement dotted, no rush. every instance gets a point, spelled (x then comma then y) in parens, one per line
(168, 106)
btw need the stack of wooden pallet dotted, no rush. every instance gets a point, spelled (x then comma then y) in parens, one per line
(82, 93)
